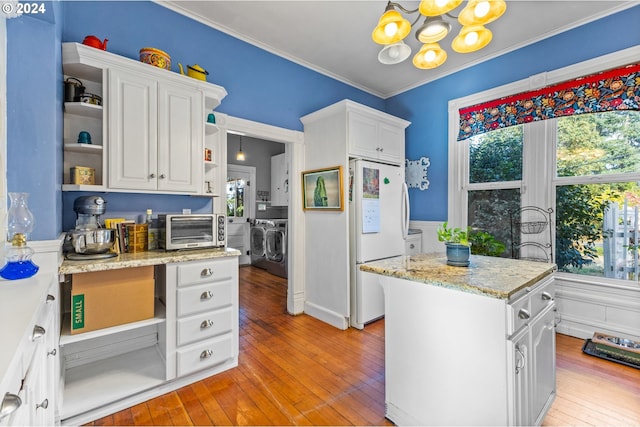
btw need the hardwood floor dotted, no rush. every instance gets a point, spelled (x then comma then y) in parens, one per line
(296, 370)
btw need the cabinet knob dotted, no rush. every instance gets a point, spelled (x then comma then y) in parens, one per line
(206, 324)
(206, 295)
(206, 272)
(412, 246)
(153, 175)
(38, 332)
(206, 354)
(43, 405)
(162, 176)
(52, 352)
(9, 405)
(50, 299)
(524, 314)
(546, 296)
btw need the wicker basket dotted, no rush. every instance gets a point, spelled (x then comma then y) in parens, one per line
(532, 227)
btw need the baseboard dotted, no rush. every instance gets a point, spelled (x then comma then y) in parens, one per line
(330, 317)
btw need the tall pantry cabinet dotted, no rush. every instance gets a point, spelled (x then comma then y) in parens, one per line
(150, 130)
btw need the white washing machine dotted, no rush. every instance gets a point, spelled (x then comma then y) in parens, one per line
(276, 247)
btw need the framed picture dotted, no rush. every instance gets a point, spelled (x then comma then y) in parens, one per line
(322, 189)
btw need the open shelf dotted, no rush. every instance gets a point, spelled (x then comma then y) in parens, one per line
(95, 384)
(80, 187)
(67, 338)
(83, 109)
(83, 148)
(210, 128)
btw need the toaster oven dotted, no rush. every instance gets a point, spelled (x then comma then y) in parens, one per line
(188, 231)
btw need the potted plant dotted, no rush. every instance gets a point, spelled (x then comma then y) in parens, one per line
(457, 242)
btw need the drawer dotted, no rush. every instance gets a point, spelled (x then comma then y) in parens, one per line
(203, 326)
(518, 313)
(204, 355)
(206, 271)
(210, 296)
(542, 296)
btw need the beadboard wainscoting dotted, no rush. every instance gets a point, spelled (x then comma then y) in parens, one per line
(608, 306)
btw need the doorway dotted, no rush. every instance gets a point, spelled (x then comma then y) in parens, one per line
(241, 196)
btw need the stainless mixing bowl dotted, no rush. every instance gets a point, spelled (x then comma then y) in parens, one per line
(92, 241)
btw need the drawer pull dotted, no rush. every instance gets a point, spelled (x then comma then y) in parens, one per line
(206, 324)
(50, 299)
(412, 246)
(524, 314)
(206, 295)
(206, 272)
(206, 354)
(52, 352)
(546, 296)
(43, 405)
(9, 405)
(38, 332)
(523, 358)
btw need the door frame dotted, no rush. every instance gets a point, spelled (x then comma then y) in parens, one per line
(294, 146)
(249, 207)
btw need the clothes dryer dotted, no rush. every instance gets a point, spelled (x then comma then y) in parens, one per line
(276, 248)
(258, 242)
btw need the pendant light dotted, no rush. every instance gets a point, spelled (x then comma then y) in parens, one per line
(240, 154)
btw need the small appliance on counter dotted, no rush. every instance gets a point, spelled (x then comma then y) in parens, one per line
(89, 240)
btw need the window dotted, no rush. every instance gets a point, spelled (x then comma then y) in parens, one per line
(592, 188)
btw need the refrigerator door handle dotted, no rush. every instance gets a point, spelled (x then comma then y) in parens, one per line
(405, 209)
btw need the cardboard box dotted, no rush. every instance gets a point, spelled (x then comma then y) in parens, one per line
(82, 175)
(103, 299)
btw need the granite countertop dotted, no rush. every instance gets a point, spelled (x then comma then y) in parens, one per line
(494, 277)
(143, 258)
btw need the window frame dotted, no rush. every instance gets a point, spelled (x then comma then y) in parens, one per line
(538, 160)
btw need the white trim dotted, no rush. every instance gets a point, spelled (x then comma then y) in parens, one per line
(294, 141)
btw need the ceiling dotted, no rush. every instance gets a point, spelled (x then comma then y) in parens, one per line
(333, 37)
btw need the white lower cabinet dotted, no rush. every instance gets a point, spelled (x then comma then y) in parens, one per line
(203, 298)
(457, 358)
(31, 398)
(193, 335)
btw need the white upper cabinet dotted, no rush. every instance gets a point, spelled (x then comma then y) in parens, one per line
(375, 136)
(155, 134)
(154, 125)
(279, 180)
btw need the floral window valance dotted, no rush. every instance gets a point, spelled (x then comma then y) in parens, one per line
(617, 89)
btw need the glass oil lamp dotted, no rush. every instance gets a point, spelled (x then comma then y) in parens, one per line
(20, 224)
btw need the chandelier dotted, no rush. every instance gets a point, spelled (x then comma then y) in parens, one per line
(392, 28)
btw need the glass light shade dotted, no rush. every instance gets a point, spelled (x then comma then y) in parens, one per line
(394, 53)
(437, 7)
(240, 155)
(391, 18)
(431, 55)
(433, 30)
(471, 38)
(19, 217)
(481, 12)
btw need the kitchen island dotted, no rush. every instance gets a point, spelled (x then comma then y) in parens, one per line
(467, 345)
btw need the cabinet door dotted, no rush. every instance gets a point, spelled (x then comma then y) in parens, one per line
(362, 136)
(391, 143)
(180, 138)
(279, 180)
(543, 363)
(132, 107)
(520, 378)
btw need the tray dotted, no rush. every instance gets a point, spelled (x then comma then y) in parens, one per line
(589, 348)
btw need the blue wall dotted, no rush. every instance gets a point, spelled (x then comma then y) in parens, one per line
(262, 87)
(427, 106)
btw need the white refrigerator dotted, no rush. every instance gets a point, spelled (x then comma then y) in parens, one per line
(378, 226)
